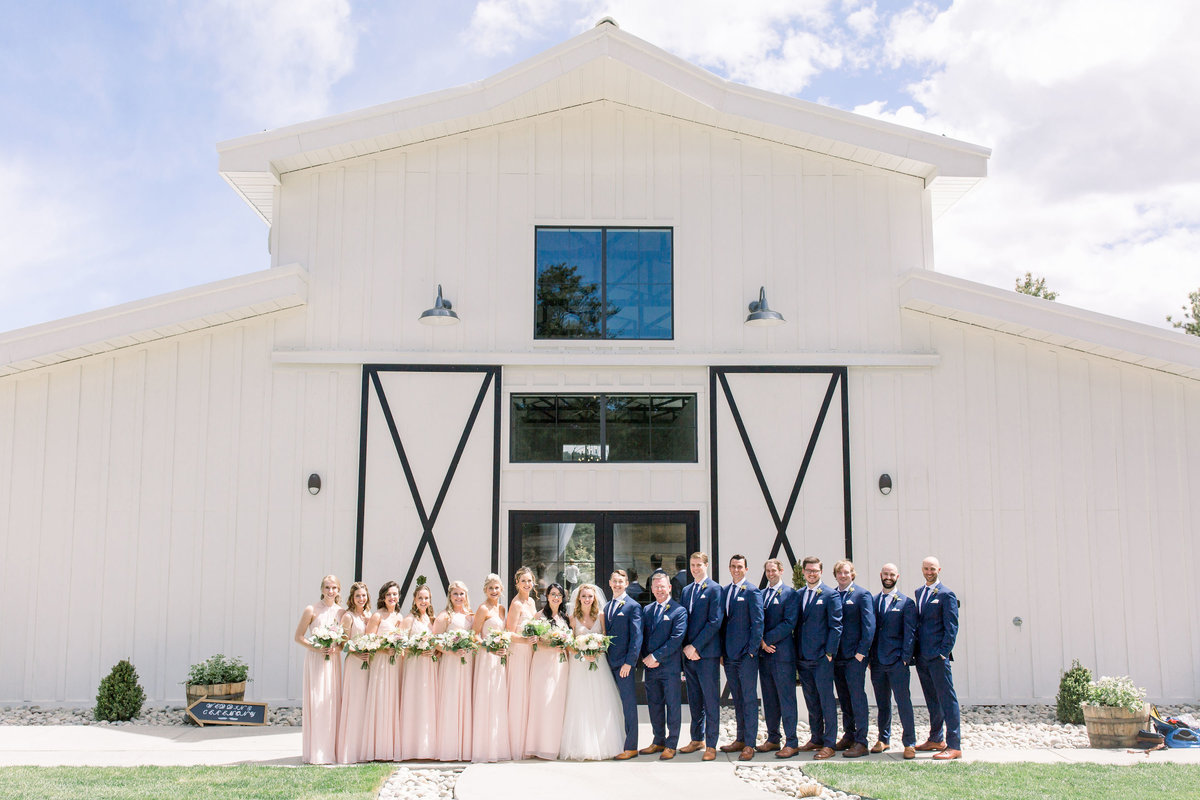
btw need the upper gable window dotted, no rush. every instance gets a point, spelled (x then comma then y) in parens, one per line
(604, 283)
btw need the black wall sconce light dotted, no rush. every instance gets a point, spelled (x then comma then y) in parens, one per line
(314, 484)
(440, 314)
(885, 484)
(760, 314)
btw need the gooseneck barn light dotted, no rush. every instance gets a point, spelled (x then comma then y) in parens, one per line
(440, 314)
(760, 315)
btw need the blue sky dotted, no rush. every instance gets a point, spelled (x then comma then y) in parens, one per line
(109, 190)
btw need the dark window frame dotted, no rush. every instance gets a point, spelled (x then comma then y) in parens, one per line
(603, 229)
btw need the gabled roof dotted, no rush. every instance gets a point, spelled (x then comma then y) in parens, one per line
(1050, 322)
(604, 63)
(158, 317)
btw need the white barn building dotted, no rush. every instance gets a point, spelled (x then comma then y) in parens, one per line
(600, 216)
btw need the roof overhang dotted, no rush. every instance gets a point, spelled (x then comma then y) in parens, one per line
(1050, 322)
(603, 64)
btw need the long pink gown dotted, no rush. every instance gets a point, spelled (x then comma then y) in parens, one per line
(322, 695)
(382, 729)
(418, 698)
(547, 700)
(454, 701)
(489, 727)
(520, 658)
(352, 720)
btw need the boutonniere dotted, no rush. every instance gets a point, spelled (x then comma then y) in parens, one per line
(666, 606)
(819, 590)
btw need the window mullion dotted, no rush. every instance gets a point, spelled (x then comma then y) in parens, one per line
(603, 428)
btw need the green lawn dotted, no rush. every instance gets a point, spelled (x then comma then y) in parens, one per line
(193, 783)
(959, 781)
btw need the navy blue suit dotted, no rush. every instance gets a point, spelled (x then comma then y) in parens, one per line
(891, 653)
(623, 622)
(662, 638)
(937, 628)
(741, 637)
(777, 671)
(817, 637)
(705, 612)
(850, 674)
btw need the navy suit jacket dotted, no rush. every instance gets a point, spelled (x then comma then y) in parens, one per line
(742, 632)
(704, 617)
(625, 626)
(895, 631)
(663, 638)
(820, 627)
(858, 623)
(937, 622)
(780, 615)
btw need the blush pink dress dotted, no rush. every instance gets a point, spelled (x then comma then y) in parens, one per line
(381, 737)
(418, 698)
(489, 727)
(547, 700)
(520, 659)
(454, 700)
(322, 694)
(352, 719)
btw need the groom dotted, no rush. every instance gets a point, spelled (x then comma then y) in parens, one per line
(665, 624)
(623, 622)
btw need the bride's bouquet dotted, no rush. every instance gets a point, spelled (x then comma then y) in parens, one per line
(590, 645)
(498, 641)
(369, 643)
(536, 629)
(326, 636)
(560, 638)
(421, 643)
(461, 642)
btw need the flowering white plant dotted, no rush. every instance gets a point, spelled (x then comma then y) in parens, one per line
(1115, 693)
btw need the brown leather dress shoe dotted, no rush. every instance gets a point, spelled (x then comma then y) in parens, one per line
(747, 753)
(844, 742)
(650, 750)
(710, 754)
(667, 754)
(824, 753)
(626, 755)
(767, 747)
(787, 752)
(855, 750)
(879, 747)
(732, 747)
(691, 747)
(929, 744)
(809, 746)
(947, 754)
(910, 752)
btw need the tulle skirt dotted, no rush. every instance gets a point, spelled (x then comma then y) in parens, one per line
(594, 724)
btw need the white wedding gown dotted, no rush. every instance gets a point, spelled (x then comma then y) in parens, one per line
(594, 725)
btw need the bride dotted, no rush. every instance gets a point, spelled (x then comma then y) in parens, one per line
(594, 727)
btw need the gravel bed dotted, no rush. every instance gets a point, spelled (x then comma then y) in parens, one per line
(158, 715)
(789, 780)
(412, 784)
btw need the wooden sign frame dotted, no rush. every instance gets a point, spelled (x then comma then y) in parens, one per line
(202, 722)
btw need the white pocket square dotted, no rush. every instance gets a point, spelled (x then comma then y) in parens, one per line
(849, 602)
(933, 601)
(741, 599)
(820, 602)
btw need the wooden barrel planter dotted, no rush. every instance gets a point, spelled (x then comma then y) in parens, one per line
(1114, 727)
(215, 691)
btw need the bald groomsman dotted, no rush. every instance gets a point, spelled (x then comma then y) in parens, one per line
(777, 667)
(891, 653)
(817, 636)
(850, 664)
(937, 628)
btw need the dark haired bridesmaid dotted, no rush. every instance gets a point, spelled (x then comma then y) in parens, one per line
(548, 682)
(352, 719)
(382, 737)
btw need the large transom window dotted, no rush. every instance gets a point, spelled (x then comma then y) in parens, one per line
(603, 427)
(603, 283)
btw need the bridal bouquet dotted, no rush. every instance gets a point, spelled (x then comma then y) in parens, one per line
(369, 643)
(421, 643)
(590, 645)
(326, 636)
(536, 629)
(461, 642)
(498, 641)
(560, 638)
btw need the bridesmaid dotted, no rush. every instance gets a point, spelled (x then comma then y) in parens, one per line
(522, 610)
(354, 679)
(548, 684)
(489, 729)
(419, 690)
(322, 678)
(454, 682)
(381, 737)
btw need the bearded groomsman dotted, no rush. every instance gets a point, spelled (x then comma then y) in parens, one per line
(891, 653)
(777, 668)
(664, 622)
(702, 657)
(817, 636)
(741, 636)
(937, 628)
(850, 664)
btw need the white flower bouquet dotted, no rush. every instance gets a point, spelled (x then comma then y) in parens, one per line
(326, 636)
(560, 638)
(535, 629)
(461, 642)
(498, 642)
(369, 643)
(421, 643)
(589, 645)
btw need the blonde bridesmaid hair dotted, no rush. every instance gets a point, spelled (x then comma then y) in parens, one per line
(466, 597)
(424, 587)
(490, 579)
(533, 592)
(337, 598)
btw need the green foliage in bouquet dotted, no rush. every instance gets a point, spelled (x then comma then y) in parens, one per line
(1072, 690)
(217, 669)
(120, 696)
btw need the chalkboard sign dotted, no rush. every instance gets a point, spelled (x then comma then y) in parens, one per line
(227, 712)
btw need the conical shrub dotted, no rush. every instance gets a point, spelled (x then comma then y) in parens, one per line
(120, 696)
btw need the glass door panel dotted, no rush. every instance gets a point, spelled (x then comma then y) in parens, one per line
(643, 548)
(558, 552)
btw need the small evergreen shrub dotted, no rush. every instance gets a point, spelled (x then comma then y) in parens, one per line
(120, 696)
(217, 669)
(798, 581)
(1072, 691)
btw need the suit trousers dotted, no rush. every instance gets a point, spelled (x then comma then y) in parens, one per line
(704, 698)
(777, 674)
(850, 680)
(937, 683)
(888, 682)
(742, 675)
(625, 689)
(816, 679)
(663, 701)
